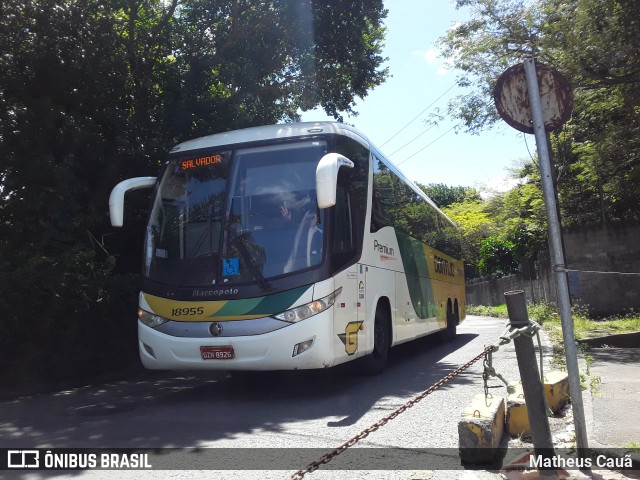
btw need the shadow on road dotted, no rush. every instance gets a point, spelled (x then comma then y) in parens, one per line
(164, 410)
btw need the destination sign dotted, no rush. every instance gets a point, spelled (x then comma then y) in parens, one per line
(201, 161)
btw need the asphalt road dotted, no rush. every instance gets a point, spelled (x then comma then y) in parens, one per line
(298, 415)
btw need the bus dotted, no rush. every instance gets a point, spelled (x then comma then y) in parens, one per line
(290, 246)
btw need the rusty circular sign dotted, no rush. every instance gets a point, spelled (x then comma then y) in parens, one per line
(512, 98)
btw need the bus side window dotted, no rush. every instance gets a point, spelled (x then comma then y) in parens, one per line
(383, 206)
(351, 203)
(343, 244)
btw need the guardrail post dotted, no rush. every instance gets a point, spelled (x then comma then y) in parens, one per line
(530, 378)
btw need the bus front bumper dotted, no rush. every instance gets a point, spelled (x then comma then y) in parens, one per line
(276, 350)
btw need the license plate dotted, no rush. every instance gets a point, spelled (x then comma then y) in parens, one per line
(224, 352)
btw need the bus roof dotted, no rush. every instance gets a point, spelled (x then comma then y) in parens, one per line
(269, 132)
(292, 130)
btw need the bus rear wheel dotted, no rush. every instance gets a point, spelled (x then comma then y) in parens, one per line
(376, 361)
(449, 333)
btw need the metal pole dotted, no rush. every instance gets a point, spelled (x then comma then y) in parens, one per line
(530, 378)
(557, 255)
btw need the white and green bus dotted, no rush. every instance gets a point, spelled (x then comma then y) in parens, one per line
(292, 246)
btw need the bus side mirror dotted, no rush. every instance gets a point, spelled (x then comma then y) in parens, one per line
(116, 199)
(327, 178)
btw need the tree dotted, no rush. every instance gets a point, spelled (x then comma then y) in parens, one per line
(499, 34)
(444, 195)
(497, 257)
(93, 92)
(510, 225)
(266, 60)
(520, 214)
(595, 44)
(475, 224)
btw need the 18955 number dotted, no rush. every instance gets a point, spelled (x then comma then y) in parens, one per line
(181, 312)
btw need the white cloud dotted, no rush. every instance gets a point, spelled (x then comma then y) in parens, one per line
(432, 58)
(499, 185)
(455, 25)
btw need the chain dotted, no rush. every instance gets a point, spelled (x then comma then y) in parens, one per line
(313, 466)
(490, 371)
(532, 329)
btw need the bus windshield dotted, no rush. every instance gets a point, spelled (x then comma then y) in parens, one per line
(236, 216)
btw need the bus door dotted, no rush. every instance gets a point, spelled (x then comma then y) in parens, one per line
(350, 314)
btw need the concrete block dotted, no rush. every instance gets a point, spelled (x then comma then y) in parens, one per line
(517, 421)
(556, 389)
(480, 429)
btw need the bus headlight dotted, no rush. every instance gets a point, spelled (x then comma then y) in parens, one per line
(151, 319)
(308, 310)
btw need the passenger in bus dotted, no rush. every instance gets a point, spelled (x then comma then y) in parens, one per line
(307, 245)
(284, 211)
(295, 207)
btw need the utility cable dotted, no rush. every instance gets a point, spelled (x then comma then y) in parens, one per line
(428, 145)
(411, 141)
(417, 116)
(561, 269)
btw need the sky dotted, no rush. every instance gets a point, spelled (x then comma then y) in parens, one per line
(418, 84)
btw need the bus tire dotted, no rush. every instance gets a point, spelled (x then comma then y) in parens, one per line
(449, 333)
(376, 361)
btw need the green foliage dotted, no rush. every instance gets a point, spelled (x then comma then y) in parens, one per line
(632, 446)
(497, 257)
(475, 224)
(444, 195)
(499, 311)
(542, 312)
(65, 316)
(584, 325)
(539, 312)
(498, 34)
(94, 92)
(595, 44)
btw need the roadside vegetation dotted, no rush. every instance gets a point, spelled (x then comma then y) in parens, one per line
(632, 446)
(584, 327)
(92, 92)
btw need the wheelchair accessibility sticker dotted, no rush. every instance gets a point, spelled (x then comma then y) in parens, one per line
(230, 266)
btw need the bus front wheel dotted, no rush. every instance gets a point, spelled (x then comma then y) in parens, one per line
(376, 361)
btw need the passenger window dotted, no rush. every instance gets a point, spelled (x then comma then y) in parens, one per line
(343, 242)
(343, 235)
(351, 203)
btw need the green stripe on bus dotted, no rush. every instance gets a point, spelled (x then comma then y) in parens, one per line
(267, 305)
(414, 261)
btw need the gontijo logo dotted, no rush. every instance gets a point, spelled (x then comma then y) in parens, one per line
(444, 266)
